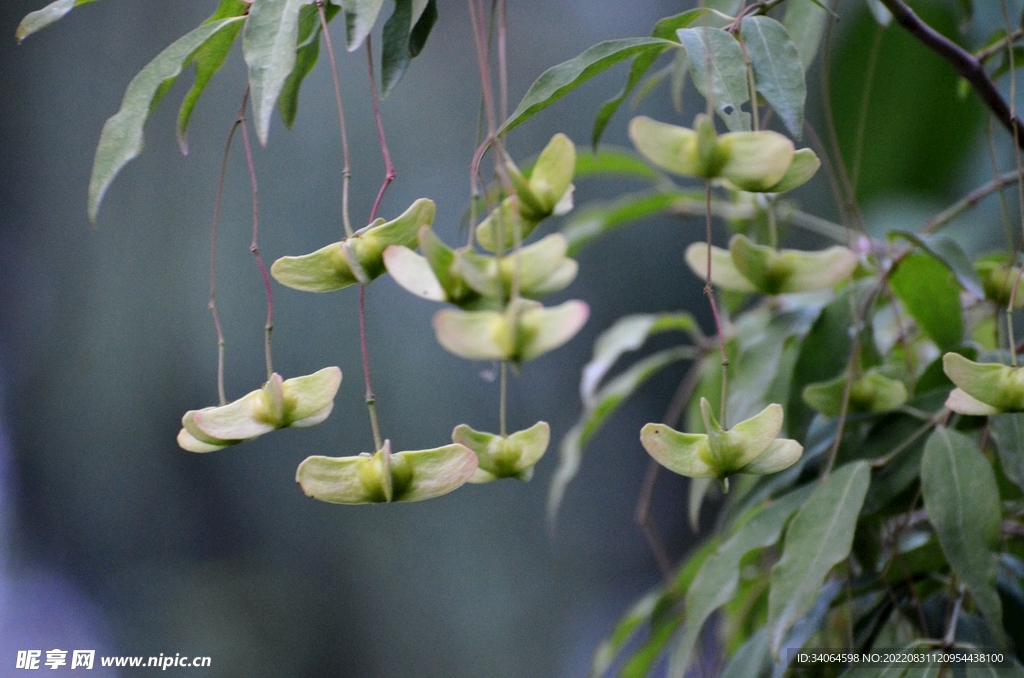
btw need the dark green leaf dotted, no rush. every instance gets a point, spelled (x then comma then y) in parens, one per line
(962, 500)
(559, 80)
(1004, 66)
(599, 218)
(395, 50)
(208, 59)
(805, 24)
(1008, 431)
(421, 28)
(41, 18)
(360, 16)
(121, 138)
(716, 583)
(666, 30)
(719, 72)
(949, 253)
(305, 59)
(818, 538)
(778, 71)
(932, 296)
(606, 401)
(269, 45)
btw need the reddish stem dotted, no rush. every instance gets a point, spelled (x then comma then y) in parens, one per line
(254, 247)
(389, 169)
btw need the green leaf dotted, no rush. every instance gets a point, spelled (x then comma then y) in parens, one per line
(805, 24)
(305, 59)
(395, 51)
(951, 255)
(121, 138)
(718, 579)
(664, 29)
(778, 71)
(751, 660)
(269, 46)
(719, 72)
(626, 629)
(614, 161)
(1008, 431)
(628, 334)
(559, 80)
(819, 538)
(598, 218)
(931, 295)
(41, 18)
(360, 16)
(606, 401)
(962, 500)
(423, 23)
(208, 59)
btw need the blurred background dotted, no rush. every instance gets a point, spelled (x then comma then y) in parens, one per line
(113, 538)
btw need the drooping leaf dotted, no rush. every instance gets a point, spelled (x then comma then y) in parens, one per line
(41, 18)
(751, 660)
(717, 580)
(305, 59)
(962, 500)
(931, 295)
(947, 251)
(805, 24)
(360, 16)
(269, 46)
(598, 218)
(395, 50)
(614, 161)
(208, 59)
(606, 400)
(628, 334)
(719, 72)
(422, 23)
(818, 538)
(121, 138)
(627, 628)
(665, 29)
(1008, 431)
(557, 81)
(778, 71)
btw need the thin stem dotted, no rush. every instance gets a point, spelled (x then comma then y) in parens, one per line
(965, 64)
(371, 399)
(254, 248)
(503, 400)
(502, 11)
(862, 118)
(212, 303)
(1020, 174)
(483, 62)
(968, 201)
(389, 169)
(710, 292)
(346, 171)
(832, 177)
(643, 518)
(1005, 210)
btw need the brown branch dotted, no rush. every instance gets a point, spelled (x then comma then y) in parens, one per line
(965, 63)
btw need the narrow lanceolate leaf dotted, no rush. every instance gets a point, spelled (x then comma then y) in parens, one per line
(41, 18)
(306, 56)
(927, 288)
(817, 540)
(962, 500)
(778, 71)
(599, 218)
(1008, 431)
(719, 73)
(717, 580)
(665, 29)
(805, 24)
(557, 81)
(614, 161)
(606, 401)
(395, 50)
(627, 628)
(360, 16)
(208, 59)
(424, 16)
(269, 45)
(121, 139)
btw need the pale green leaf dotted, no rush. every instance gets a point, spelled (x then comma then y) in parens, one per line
(947, 251)
(719, 72)
(1008, 431)
(751, 660)
(121, 138)
(614, 161)
(269, 45)
(961, 497)
(805, 24)
(818, 538)
(306, 56)
(360, 16)
(778, 71)
(41, 18)
(558, 80)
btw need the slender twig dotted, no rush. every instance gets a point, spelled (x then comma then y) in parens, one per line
(1004, 209)
(862, 116)
(503, 400)
(832, 177)
(212, 303)
(710, 292)
(346, 171)
(254, 248)
(968, 201)
(389, 169)
(371, 399)
(502, 11)
(998, 46)
(966, 65)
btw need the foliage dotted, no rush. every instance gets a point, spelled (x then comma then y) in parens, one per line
(860, 405)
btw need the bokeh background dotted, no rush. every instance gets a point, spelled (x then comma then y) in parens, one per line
(112, 538)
